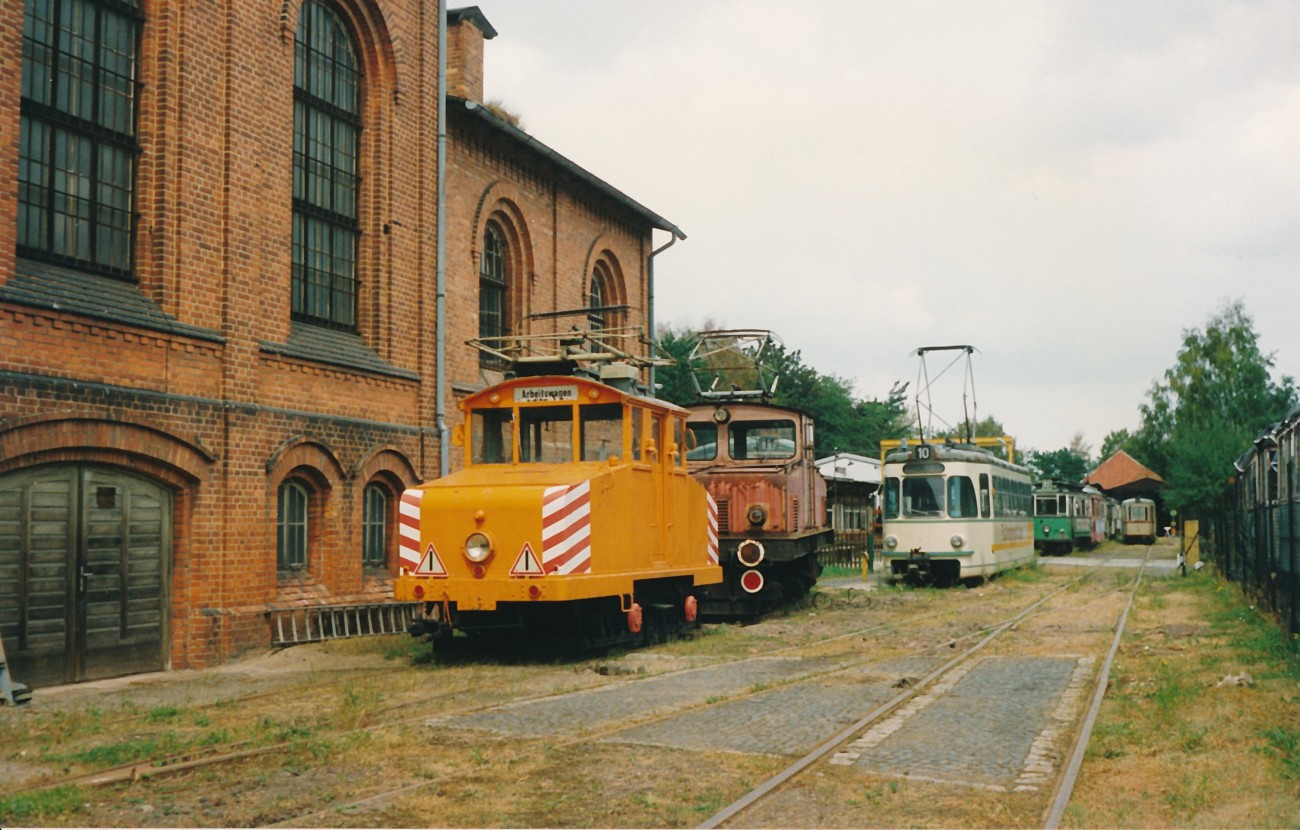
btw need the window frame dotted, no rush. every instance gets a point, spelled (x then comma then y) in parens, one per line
(78, 135)
(493, 290)
(375, 536)
(327, 151)
(293, 493)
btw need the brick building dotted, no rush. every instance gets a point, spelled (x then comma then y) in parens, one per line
(218, 307)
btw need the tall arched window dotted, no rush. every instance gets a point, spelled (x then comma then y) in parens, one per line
(326, 178)
(596, 300)
(492, 285)
(77, 142)
(291, 526)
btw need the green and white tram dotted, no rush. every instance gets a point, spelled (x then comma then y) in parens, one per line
(954, 511)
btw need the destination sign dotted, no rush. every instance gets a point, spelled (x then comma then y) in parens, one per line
(545, 394)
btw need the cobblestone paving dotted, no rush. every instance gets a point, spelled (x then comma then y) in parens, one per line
(791, 719)
(995, 723)
(598, 708)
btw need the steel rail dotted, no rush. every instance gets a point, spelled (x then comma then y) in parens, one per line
(1071, 775)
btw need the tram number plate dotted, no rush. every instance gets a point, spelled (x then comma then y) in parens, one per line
(924, 452)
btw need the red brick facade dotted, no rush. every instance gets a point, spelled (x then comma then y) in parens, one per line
(191, 373)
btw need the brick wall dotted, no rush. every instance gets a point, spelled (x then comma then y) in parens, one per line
(212, 401)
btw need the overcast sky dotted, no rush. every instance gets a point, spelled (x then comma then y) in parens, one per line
(1067, 186)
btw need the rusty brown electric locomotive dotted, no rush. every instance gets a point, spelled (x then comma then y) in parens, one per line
(756, 459)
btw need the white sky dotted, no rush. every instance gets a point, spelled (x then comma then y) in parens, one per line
(1067, 185)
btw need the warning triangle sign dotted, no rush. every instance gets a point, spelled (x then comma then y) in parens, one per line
(430, 565)
(527, 564)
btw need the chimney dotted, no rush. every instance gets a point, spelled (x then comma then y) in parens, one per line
(467, 28)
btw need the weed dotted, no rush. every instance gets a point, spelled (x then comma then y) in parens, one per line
(41, 806)
(161, 713)
(1191, 796)
(1285, 746)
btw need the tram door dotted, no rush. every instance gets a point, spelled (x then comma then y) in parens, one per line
(84, 562)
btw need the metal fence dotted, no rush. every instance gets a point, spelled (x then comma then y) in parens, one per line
(1259, 548)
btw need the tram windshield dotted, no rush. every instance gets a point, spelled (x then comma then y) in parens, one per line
(923, 496)
(602, 431)
(545, 434)
(706, 441)
(761, 439)
(493, 431)
(962, 503)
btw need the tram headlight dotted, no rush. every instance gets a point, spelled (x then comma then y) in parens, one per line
(891, 541)
(478, 547)
(957, 541)
(757, 514)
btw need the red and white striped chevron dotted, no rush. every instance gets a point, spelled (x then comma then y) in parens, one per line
(566, 529)
(408, 530)
(713, 529)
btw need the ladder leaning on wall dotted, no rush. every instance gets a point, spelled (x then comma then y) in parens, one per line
(11, 692)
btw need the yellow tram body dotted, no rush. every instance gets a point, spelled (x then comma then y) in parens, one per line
(573, 490)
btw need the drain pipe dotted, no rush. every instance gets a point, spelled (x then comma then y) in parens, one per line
(440, 315)
(673, 235)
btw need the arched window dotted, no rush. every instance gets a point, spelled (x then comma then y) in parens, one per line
(326, 178)
(291, 526)
(492, 289)
(596, 301)
(374, 526)
(77, 140)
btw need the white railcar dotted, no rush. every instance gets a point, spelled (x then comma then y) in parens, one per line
(953, 512)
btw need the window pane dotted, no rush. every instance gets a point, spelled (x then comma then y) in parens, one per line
(706, 441)
(492, 434)
(375, 527)
(77, 144)
(546, 434)
(923, 496)
(602, 431)
(291, 521)
(761, 439)
(326, 153)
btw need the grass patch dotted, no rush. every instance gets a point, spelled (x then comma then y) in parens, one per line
(1284, 748)
(41, 807)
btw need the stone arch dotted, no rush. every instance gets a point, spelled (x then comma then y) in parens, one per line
(133, 445)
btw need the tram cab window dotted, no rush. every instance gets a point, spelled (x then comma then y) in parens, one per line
(601, 433)
(961, 498)
(986, 507)
(679, 442)
(1046, 506)
(654, 439)
(638, 418)
(492, 434)
(761, 439)
(706, 441)
(545, 434)
(890, 510)
(923, 496)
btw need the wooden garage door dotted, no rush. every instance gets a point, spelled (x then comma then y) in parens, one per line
(84, 563)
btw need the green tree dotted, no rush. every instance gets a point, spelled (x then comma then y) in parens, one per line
(1215, 399)
(1116, 440)
(845, 422)
(1065, 465)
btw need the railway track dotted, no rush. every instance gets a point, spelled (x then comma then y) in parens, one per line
(849, 746)
(689, 714)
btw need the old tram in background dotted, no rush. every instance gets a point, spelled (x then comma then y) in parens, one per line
(953, 509)
(575, 522)
(757, 461)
